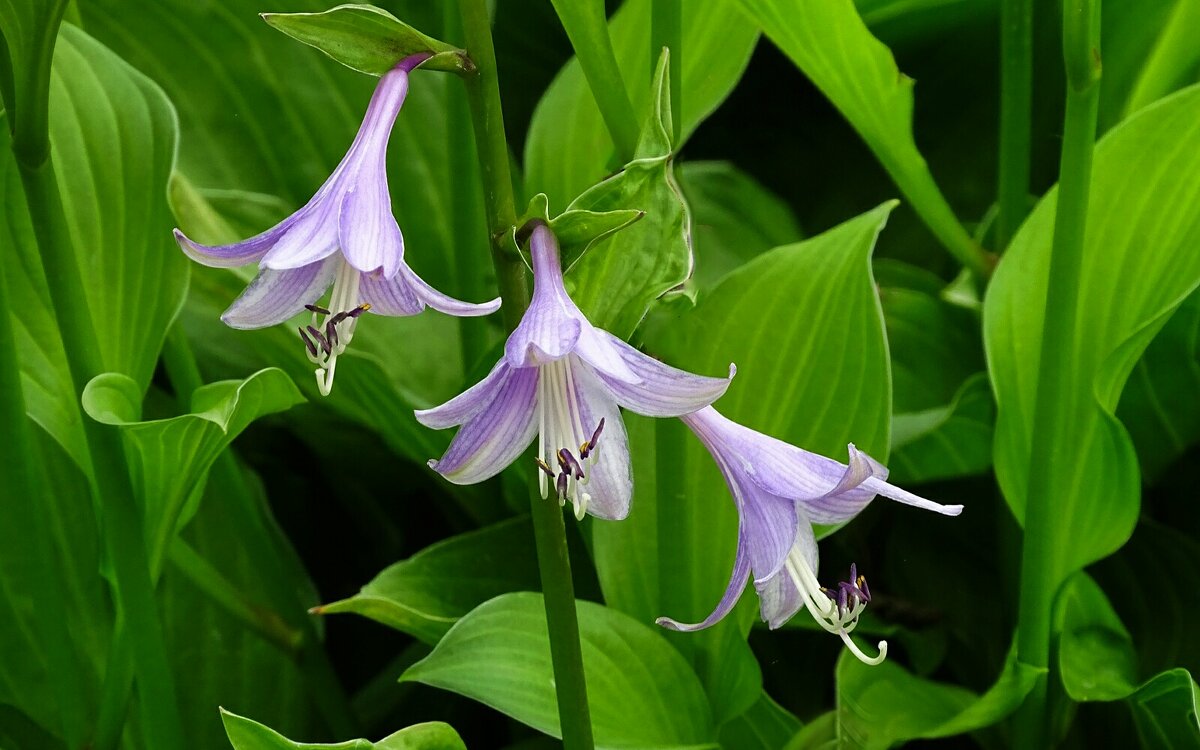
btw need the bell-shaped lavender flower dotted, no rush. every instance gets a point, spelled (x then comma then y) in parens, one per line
(780, 491)
(562, 380)
(345, 236)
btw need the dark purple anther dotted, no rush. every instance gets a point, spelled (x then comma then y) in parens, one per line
(359, 310)
(544, 467)
(316, 309)
(312, 348)
(561, 484)
(568, 463)
(331, 333)
(586, 449)
(863, 590)
(320, 339)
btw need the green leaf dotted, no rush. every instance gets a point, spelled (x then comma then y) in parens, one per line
(575, 229)
(1173, 59)
(829, 42)
(948, 441)
(27, 34)
(617, 281)
(765, 726)
(568, 147)
(641, 691)
(1096, 493)
(427, 593)
(368, 39)
(883, 705)
(246, 734)
(114, 136)
(734, 218)
(172, 456)
(1161, 404)
(1097, 663)
(673, 555)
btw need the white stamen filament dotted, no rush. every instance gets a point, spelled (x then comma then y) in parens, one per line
(560, 425)
(826, 611)
(344, 298)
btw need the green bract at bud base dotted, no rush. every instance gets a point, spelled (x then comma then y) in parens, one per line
(369, 39)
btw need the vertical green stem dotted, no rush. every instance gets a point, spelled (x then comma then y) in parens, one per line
(24, 489)
(122, 522)
(483, 92)
(1041, 572)
(1016, 84)
(587, 28)
(666, 30)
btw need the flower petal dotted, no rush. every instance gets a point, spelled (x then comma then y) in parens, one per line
(610, 478)
(552, 324)
(660, 390)
(313, 235)
(236, 254)
(441, 302)
(779, 597)
(276, 295)
(496, 435)
(367, 231)
(466, 404)
(733, 592)
(386, 296)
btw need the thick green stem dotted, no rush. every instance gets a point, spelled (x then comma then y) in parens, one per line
(1016, 96)
(554, 564)
(24, 490)
(587, 27)
(1041, 570)
(121, 521)
(666, 30)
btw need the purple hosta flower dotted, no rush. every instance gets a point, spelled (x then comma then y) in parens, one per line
(345, 236)
(562, 379)
(780, 491)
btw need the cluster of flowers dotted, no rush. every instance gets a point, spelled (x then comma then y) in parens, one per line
(560, 379)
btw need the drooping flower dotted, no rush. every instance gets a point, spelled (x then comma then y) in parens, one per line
(780, 491)
(562, 379)
(345, 236)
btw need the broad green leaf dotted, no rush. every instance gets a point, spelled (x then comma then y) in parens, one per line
(616, 282)
(641, 691)
(948, 441)
(114, 135)
(1131, 35)
(367, 39)
(1097, 663)
(785, 318)
(1161, 404)
(884, 705)
(765, 726)
(1096, 494)
(1173, 59)
(568, 147)
(829, 42)
(247, 734)
(172, 456)
(427, 593)
(734, 218)
(575, 229)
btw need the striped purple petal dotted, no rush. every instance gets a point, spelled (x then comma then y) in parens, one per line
(236, 254)
(467, 404)
(660, 390)
(441, 302)
(733, 592)
(610, 476)
(493, 438)
(552, 324)
(778, 597)
(276, 295)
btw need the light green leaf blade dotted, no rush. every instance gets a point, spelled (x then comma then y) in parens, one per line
(829, 42)
(427, 593)
(174, 455)
(1172, 60)
(622, 275)
(1147, 174)
(27, 35)
(247, 734)
(114, 135)
(948, 441)
(765, 726)
(367, 39)
(641, 691)
(568, 147)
